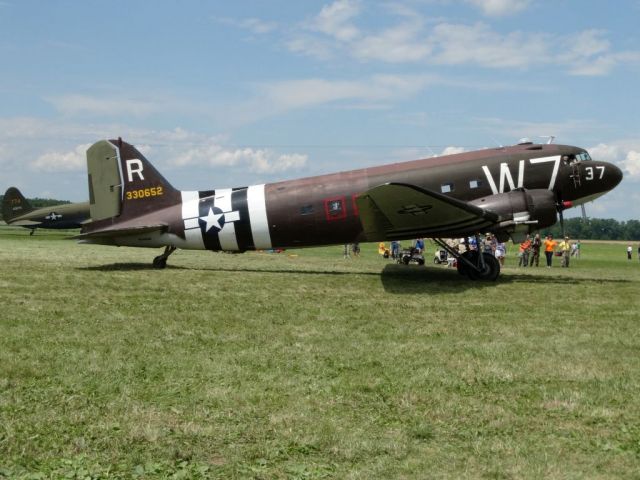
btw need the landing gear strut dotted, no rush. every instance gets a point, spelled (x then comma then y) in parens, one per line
(470, 263)
(161, 260)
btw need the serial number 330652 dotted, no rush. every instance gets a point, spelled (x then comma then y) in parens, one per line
(144, 193)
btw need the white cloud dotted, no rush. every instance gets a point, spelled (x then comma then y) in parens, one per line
(74, 160)
(631, 163)
(626, 154)
(293, 94)
(452, 150)
(606, 153)
(77, 104)
(499, 8)
(409, 40)
(254, 25)
(458, 44)
(335, 20)
(256, 160)
(402, 43)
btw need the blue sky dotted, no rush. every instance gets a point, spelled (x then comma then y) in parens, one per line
(221, 94)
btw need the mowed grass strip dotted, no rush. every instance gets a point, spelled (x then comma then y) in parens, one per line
(306, 365)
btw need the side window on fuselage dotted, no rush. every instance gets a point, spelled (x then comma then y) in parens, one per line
(447, 187)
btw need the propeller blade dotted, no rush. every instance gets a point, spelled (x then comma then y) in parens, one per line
(561, 223)
(584, 213)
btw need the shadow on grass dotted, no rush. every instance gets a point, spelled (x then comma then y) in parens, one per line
(562, 280)
(402, 279)
(127, 267)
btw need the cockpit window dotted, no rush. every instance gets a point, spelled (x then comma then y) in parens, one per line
(580, 157)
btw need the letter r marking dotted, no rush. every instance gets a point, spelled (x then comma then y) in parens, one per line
(131, 170)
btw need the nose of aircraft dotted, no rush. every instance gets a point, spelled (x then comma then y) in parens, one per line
(593, 179)
(613, 175)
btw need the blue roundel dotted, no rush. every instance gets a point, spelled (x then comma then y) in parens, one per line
(211, 219)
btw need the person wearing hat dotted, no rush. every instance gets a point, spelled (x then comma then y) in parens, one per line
(565, 248)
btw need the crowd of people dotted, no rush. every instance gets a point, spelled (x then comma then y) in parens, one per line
(528, 251)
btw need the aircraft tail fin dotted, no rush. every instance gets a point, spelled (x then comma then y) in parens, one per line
(14, 204)
(123, 184)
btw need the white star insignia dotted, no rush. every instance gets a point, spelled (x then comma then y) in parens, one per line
(213, 220)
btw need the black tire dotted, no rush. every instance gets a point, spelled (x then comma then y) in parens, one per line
(462, 267)
(489, 273)
(159, 262)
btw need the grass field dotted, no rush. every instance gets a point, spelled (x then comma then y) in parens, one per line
(305, 365)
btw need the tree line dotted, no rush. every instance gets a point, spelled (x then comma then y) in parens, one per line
(597, 229)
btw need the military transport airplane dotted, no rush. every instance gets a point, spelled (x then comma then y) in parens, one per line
(509, 191)
(16, 210)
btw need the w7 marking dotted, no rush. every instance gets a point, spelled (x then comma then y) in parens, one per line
(506, 177)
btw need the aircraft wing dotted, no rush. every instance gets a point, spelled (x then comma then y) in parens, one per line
(121, 232)
(397, 210)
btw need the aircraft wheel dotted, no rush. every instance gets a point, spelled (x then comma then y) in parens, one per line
(462, 266)
(489, 273)
(159, 262)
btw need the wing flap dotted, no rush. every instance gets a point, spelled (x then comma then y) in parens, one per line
(396, 210)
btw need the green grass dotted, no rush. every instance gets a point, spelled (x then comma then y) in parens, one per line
(304, 365)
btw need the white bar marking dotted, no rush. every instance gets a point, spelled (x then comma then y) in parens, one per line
(227, 235)
(190, 214)
(257, 203)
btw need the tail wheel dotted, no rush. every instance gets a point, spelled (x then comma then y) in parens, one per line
(159, 262)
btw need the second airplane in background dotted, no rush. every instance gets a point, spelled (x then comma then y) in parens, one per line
(16, 210)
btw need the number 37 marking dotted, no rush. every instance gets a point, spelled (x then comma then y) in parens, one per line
(590, 175)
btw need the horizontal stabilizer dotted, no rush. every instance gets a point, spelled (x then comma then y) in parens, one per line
(121, 232)
(24, 223)
(397, 210)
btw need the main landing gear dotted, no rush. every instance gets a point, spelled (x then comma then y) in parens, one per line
(161, 260)
(470, 263)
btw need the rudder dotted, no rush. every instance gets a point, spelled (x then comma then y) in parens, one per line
(14, 204)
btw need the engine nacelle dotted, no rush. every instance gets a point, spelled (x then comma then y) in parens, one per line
(521, 211)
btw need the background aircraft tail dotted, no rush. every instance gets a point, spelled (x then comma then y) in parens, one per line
(123, 184)
(14, 204)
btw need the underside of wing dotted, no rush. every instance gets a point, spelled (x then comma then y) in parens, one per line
(120, 232)
(397, 211)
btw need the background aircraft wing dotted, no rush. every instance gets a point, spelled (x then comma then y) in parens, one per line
(396, 210)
